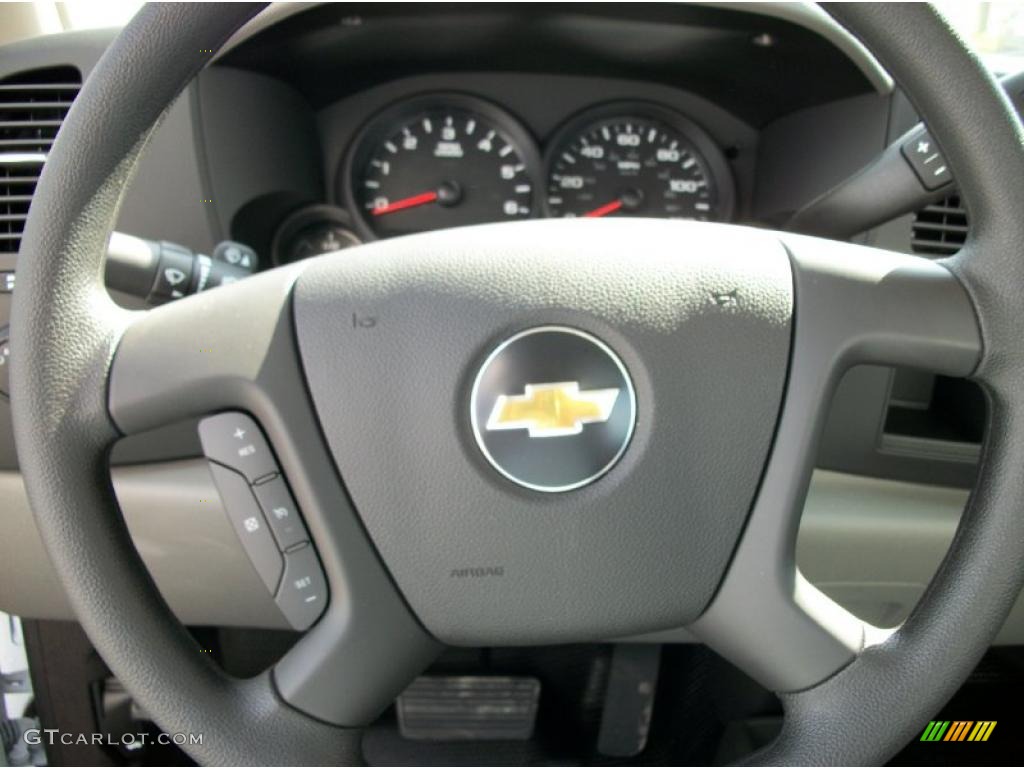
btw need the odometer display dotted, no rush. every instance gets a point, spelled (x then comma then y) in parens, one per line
(446, 162)
(632, 165)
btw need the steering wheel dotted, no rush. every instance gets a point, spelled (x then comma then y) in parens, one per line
(361, 369)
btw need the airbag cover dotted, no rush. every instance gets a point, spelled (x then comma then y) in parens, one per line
(392, 336)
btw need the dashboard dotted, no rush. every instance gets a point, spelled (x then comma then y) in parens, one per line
(445, 117)
(328, 127)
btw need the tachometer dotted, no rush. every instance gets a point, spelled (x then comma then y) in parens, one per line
(637, 160)
(441, 161)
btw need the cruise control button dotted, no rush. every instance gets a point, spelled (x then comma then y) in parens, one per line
(279, 508)
(234, 440)
(303, 593)
(250, 525)
(926, 160)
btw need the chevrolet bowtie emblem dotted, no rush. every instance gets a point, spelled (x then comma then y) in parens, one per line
(552, 381)
(552, 410)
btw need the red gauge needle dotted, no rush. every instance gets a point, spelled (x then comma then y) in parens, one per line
(604, 210)
(406, 202)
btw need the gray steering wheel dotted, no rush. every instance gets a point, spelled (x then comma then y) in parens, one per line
(734, 339)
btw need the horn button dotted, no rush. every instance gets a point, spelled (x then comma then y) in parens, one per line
(552, 430)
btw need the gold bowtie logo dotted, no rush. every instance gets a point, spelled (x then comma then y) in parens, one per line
(552, 410)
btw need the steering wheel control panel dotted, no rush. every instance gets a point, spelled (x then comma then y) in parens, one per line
(264, 515)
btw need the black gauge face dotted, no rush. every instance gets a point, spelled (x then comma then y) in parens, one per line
(442, 165)
(312, 231)
(631, 166)
(319, 238)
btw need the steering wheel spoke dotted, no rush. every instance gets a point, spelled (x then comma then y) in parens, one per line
(853, 305)
(234, 349)
(218, 350)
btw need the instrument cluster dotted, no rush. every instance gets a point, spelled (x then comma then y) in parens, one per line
(442, 160)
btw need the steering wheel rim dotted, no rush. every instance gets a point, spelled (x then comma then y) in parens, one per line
(63, 394)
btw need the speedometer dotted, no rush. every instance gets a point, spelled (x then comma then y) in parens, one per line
(637, 160)
(441, 161)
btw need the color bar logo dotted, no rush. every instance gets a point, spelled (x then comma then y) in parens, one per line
(958, 730)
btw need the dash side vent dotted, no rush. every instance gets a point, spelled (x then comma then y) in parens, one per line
(33, 104)
(939, 229)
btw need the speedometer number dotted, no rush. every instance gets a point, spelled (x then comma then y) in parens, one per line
(632, 166)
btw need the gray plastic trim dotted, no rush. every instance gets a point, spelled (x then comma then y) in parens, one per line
(874, 545)
(234, 348)
(806, 15)
(810, 16)
(854, 305)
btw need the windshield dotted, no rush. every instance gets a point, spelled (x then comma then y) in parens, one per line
(995, 30)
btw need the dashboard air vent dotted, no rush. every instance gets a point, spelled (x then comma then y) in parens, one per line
(32, 106)
(939, 229)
